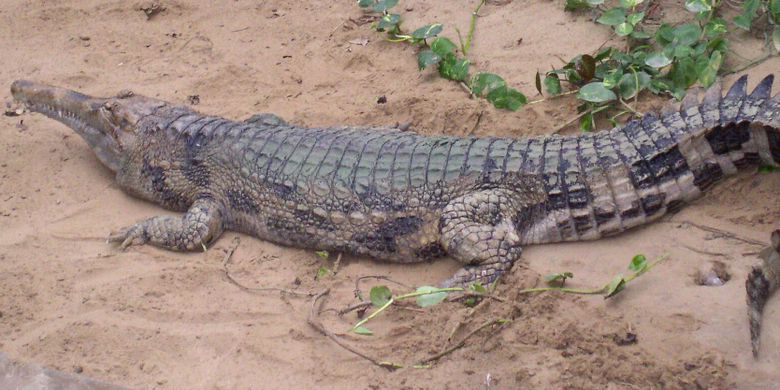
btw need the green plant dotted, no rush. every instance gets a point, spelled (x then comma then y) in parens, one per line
(442, 53)
(382, 298)
(669, 61)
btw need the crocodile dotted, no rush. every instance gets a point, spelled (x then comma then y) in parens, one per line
(399, 196)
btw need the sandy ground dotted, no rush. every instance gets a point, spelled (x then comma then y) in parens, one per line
(149, 318)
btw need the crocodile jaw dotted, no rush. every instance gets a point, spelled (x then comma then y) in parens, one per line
(109, 125)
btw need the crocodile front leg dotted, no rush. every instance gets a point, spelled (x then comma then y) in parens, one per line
(478, 230)
(200, 225)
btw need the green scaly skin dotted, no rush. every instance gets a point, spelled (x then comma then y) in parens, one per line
(404, 197)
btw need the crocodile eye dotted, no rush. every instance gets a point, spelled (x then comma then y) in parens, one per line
(108, 106)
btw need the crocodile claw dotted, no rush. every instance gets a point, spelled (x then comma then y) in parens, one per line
(132, 235)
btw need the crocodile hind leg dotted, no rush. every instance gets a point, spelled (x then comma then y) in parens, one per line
(477, 229)
(762, 281)
(200, 225)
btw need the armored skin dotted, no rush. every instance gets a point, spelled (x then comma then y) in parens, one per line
(404, 197)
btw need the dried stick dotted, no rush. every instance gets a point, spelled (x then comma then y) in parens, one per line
(313, 320)
(229, 277)
(460, 343)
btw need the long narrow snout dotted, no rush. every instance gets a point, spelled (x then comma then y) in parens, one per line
(84, 114)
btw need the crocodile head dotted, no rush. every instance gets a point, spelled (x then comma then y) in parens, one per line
(109, 125)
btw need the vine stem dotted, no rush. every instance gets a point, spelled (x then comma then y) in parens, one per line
(572, 92)
(402, 297)
(472, 27)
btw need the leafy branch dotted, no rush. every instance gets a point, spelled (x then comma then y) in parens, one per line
(382, 297)
(442, 53)
(669, 61)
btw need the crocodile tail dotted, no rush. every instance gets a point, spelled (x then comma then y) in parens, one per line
(603, 183)
(729, 132)
(762, 281)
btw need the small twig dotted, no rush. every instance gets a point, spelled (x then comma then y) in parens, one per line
(313, 320)
(337, 263)
(357, 306)
(476, 124)
(229, 277)
(240, 29)
(703, 252)
(572, 92)
(629, 108)
(725, 233)
(749, 65)
(569, 122)
(466, 88)
(460, 343)
(338, 27)
(360, 279)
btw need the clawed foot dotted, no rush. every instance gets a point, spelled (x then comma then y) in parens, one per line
(471, 274)
(132, 235)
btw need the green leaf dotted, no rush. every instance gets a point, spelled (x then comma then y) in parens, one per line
(427, 58)
(687, 34)
(635, 18)
(681, 51)
(658, 86)
(388, 22)
(484, 83)
(322, 272)
(615, 286)
(657, 60)
(552, 84)
(774, 10)
(443, 46)
(430, 299)
(507, 98)
(365, 3)
(745, 19)
(640, 35)
(698, 6)
(362, 330)
(683, 75)
(664, 35)
(716, 27)
(633, 83)
(384, 5)
(380, 295)
(743, 22)
(576, 5)
(559, 278)
(612, 17)
(587, 122)
(776, 37)
(612, 78)
(767, 169)
(708, 75)
(322, 254)
(428, 31)
(452, 68)
(603, 54)
(624, 29)
(478, 288)
(638, 264)
(630, 3)
(718, 44)
(596, 93)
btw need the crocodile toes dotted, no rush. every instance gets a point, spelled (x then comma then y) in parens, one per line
(132, 235)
